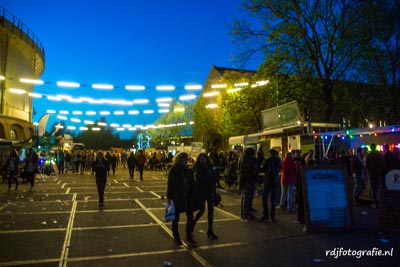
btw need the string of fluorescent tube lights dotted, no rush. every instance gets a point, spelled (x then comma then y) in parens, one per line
(161, 102)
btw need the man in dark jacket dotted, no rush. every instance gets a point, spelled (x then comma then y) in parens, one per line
(101, 167)
(271, 167)
(131, 165)
(248, 177)
(358, 174)
(375, 165)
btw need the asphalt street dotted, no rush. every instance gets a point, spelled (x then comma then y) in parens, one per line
(59, 224)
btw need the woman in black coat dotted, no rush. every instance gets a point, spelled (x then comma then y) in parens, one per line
(101, 167)
(181, 189)
(12, 169)
(206, 181)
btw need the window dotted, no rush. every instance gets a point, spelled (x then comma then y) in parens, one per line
(13, 135)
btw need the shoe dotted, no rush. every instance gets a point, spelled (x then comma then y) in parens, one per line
(250, 218)
(101, 205)
(211, 235)
(190, 240)
(264, 220)
(178, 242)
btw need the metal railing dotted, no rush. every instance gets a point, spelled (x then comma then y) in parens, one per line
(17, 27)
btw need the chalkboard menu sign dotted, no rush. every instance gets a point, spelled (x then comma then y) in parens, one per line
(326, 199)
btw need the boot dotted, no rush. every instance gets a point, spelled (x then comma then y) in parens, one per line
(211, 235)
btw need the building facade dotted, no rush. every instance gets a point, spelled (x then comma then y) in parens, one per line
(21, 56)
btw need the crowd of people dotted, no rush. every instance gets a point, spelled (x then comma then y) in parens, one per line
(193, 186)
(279, 178)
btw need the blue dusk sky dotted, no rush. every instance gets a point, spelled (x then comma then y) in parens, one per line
(125, 42)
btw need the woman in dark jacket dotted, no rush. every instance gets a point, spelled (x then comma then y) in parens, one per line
(31, 167)
(181, 190)
(206, 181)
(12, 169)
(101, 167)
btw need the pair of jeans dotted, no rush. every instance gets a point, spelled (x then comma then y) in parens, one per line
(210, 212)
(189, 225)
(270, 192)
(359, 186)
(101, 186)
(287, 196)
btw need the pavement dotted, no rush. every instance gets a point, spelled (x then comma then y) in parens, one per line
(59, 224)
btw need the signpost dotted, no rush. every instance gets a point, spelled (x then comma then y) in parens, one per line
(326, 199)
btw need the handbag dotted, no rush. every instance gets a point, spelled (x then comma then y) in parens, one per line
(217, 199)
(170, 211)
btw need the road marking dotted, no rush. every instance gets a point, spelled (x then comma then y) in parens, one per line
(126, 185)
(68, 190)
(234, 244)
(27, 262)
(124, 255)
(139, 189)
(115, 181)
(194, 254)
(114, 227)
(32, 231)
(155, 194)
(2, 207)
(67, 240)
(228, 213)
(63, 185)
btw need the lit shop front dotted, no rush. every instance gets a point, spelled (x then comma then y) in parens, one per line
(285, 131)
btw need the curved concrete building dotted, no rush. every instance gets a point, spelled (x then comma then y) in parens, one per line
(21, 56)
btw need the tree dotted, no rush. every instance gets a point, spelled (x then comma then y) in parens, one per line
(310, 39)
(380, 62)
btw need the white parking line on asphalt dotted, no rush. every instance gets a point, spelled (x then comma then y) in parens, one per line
(27, 262)
(124, 255)
(194, 254)
(155, 194)
(139, 189)
(67, 240)
(228, 213)
(2, 207)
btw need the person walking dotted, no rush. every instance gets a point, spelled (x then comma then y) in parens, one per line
(101, 167)
(60, 161)
(131, 165)
(375, 164)
(271, 167)
(11, 168)
(288, 181)
(206, 183)
(31, 167)
(181, 188)
(358, 174)
(248, 177)
(140, 162)
(114, 160)
(300, 214)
